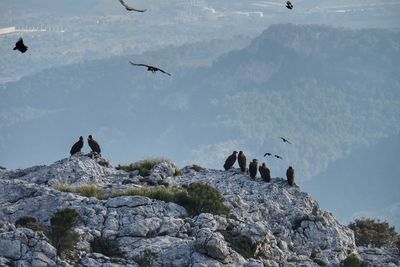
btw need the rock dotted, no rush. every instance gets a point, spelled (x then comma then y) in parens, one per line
(283, 225)
(379, 257)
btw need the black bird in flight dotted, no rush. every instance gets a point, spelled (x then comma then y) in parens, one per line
(19, 45)
(129, 8)
(285, 140)
(289, 5)
(278, 157)
(150, 68)
(267, 154)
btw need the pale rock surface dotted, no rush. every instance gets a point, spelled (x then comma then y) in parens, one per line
(284, 225)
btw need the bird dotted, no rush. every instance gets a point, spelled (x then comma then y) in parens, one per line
(230, 161)
(94, 145)
(290, 175)
(20, 46)
(289, 5)
(278, 157)
(129, 8)
(267, 154)
(265, 172)
(242, 161)
(285, 140)
(150, 68)
(77, 146)
(253, 168)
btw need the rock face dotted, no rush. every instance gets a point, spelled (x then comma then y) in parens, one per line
(271, 224)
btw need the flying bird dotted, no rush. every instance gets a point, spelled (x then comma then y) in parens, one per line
(278, 157)
(20, 46)
(267, 154)
(289, 5)
(150, 68)
(129, 8)
(285, 140)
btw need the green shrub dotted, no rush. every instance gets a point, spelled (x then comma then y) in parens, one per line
(146, 258)
(90, 191)
(372, 232)
(177, 172)
(143, 166)
(351, 261)
(204, 198)
(64, 188)
(319, 262)
(240, 243)
(31, 223)
(198, 198)
(165, 194)
(62, 236)
(106, 247)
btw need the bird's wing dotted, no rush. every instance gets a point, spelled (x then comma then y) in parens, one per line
(164, 71)
(142, 65)
(129, 8)
(267, 154)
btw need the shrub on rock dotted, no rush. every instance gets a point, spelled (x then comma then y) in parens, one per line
(371, 232)
(203, 198)
(143, 166)
(351, 261)
(62, 235)
(106, 247)
(31, 223)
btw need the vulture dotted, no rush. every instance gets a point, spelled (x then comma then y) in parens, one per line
(290, 175)
(94, 145)
(289, 5)
(150, 68)
(230, 161)
(77, 146)
(253, 168)
(129, 8)
(285, 140)
(265, 173)
(20, 46)
(242, 161)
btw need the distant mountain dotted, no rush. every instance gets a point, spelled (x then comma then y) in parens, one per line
(326, 89)
(368, 182)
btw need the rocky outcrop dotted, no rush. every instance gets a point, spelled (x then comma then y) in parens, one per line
(379, 257)
(270, 224)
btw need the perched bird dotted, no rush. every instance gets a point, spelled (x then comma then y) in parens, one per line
(290, 175)
(20, 46)
(230, 161)
(289, 5)
(129, 8)
(278, 157)
(94, 145)
(267, 154)
(253, 168)
(242, 161)
(285, 140)
(150, 68)
(265, 173)
(77, 146)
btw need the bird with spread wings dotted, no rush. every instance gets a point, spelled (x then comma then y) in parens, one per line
(150, 68)
(129, 8)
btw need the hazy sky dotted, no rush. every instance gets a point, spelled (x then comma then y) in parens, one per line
(96, 37)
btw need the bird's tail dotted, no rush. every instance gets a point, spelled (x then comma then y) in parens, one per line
(15, 48)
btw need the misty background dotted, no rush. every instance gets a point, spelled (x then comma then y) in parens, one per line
(326, 75)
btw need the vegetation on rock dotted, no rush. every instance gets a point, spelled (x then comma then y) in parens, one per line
(374, 232)
(62, 235)
(106, 247)
(143, 166)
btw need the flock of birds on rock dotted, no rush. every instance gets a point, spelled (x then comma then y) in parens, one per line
(254, 168)
(20, 46)
(77, 147)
